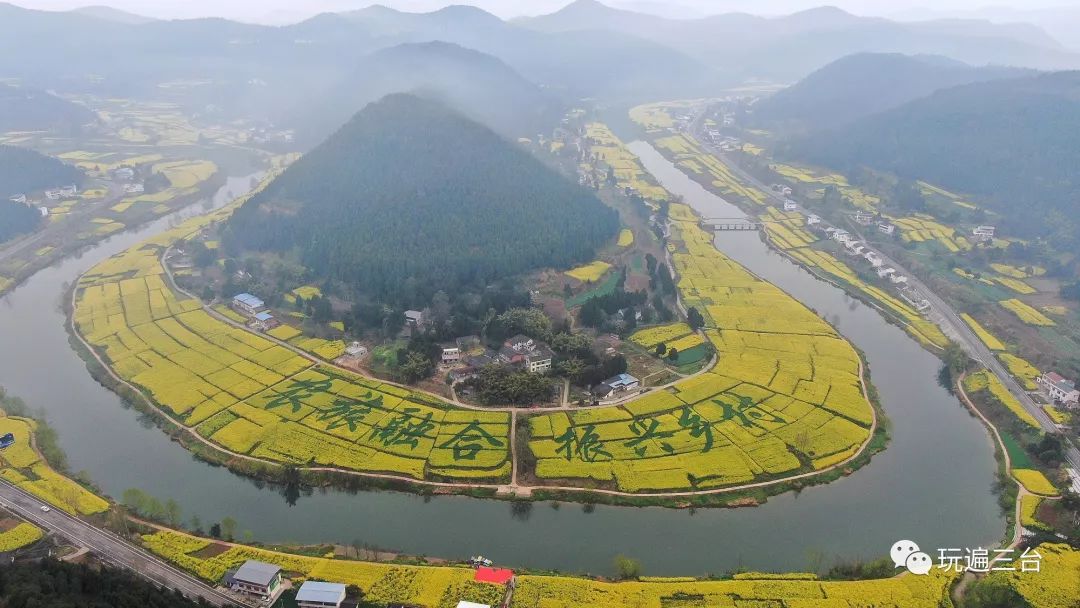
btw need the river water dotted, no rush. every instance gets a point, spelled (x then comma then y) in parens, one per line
(932, 484)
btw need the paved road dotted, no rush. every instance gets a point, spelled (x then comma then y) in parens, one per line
(940, 313)
(108, 547)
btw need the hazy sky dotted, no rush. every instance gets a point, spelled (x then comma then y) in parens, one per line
(279, 11)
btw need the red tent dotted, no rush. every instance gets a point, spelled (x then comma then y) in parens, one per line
(497, 576)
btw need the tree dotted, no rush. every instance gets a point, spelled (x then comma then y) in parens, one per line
(228, 528)
(415, 367)
(991, 592)
(650, 263)
(215, 530)
(627, 568)
(172, 512)
(134, 499)
(694, 319)
(661, 349)
(673, 354)
(196, 524)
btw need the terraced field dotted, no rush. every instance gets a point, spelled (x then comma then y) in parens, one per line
(439, 586)
(785, 396)
(254, 397)
(20, 465)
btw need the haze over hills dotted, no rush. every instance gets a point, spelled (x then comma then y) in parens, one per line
(791, 46)
(32, 110)
(477, 85)
(410, 197)
(867, 83)
(24, 171)
(108, 13)
(1013, 142)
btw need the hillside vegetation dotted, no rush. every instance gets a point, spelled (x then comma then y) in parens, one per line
(30, 110)
(1014, 143)
(411, 197)
(23, 170)
(476, 84)
(867, 83)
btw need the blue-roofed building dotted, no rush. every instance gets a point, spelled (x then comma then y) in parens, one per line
(314, 594)
(616, 384)
(248, 304)
(263, 321)
(7, 440)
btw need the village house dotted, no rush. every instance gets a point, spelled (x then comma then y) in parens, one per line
(790, 205)
(983, 233)
(886, 228)
(134, 188)
(414, 318)
(44, 211)
(854, 247)
(451, 354)
(19, 198)
(256, 578)
(898, 279)
(616, 384)
(864, 218)
(1058, 388)
(812, 219)
(69, 191)
(884, 272)
(263, 321)
(315, 594)
(539, 360)
(355, 350)
(522, 350)
(874, 259)
(248, 304)
(53, 194)
(124, 173)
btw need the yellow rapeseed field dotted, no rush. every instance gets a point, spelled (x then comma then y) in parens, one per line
(589, 272)
(1026, 313)
(252, 396)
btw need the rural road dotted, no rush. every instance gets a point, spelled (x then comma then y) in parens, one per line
(940, 312)
(108, 547)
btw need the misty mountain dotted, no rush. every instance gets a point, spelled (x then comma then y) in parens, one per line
(789, 47)
(864, 84)
(1015, 143)
(410, 197)
(108, 13)
(579, 63)
(63, 50)
(23, 171)
(479, 86)
(31, 110)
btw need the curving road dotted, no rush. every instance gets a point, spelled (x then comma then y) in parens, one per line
(940, 312)
(108, 547)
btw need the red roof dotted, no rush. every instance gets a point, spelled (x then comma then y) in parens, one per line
(497, 576)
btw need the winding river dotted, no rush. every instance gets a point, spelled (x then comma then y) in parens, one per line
(933, 484)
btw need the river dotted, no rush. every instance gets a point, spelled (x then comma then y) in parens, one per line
(932, 485)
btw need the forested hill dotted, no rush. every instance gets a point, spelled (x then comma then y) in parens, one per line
(25, 171)
(476, 84)
(1015, 143)
(30, 110)
(410, 197)
(54, 584)
(864, 84)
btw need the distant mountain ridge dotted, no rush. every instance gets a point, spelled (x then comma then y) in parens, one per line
(479, 86)
(410, 197)
(1014, 142)
(864, 84)
(791, 46)
(24, 109)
